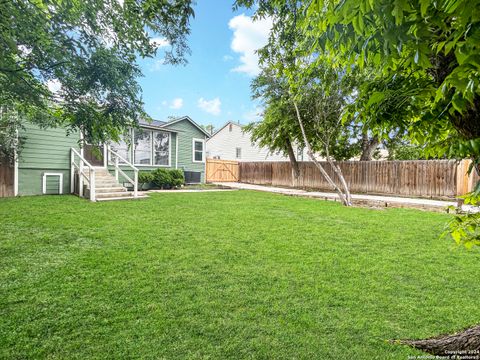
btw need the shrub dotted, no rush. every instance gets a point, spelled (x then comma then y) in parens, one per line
(162, 178)
(144, 177)
(168, 178)
(178, 178)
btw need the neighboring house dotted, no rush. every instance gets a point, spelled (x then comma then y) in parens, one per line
(45, 163)
(232, 143)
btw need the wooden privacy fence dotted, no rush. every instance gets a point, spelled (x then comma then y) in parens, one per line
(221, 170)
(6, 180)
(420, 178)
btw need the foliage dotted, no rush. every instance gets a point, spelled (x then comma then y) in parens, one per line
(278, 129)
(465, 228)
(208, 128)
(10, 142)
(88, 50)
(405, 151)
(162, 178)
(145, 177)
(168, 178)
(213, 274)
(178, 177)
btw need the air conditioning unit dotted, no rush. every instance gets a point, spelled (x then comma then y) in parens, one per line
(192, 177)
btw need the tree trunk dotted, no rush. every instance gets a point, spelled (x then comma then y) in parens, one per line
(368, 146)
(457, 344)
(293, 162)
(344, 198)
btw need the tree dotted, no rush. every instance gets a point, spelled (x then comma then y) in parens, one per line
(278, 130)
(208, 128)
(324, 93)
(10, 142)
(86, 49)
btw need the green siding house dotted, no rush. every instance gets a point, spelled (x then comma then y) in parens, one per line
(52, 162)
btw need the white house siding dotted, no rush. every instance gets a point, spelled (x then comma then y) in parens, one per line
(223, 145)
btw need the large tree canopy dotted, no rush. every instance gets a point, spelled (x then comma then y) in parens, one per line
(87, 49)
(430, 48)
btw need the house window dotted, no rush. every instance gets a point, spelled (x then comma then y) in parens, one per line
(142, 147)
(198, 150)
(151, 147)
(238, 153)
(230, 127)
(161, 147)
(122, 148)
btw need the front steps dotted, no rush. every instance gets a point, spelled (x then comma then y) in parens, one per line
(107, 188)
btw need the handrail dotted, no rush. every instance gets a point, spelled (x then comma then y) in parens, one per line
(90, 178)
(81, 157)
(123, 159)
(118, 169)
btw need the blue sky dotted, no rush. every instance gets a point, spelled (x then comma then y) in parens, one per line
(214, 87)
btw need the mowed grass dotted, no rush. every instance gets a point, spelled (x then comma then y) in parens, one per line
(226, 275)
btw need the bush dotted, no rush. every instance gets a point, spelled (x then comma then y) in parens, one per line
(167, 179)
(178, 178)
(144, 177)
(162, 178)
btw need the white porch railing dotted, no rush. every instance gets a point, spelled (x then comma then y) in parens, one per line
(81, 174)
(115, 157)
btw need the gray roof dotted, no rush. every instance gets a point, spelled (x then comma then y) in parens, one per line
(166, 124)
(153, 123)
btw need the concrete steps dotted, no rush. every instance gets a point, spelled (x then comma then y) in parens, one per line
(107, 188)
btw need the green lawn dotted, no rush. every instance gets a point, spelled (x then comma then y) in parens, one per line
(226, 275)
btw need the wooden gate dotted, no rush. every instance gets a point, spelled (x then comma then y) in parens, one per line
(221, 170)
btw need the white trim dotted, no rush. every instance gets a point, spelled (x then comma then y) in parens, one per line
(205, 166)
(15, 167)
(81, 143)
(176, 150)
(193, 150)
(105, 155)
(44, 182)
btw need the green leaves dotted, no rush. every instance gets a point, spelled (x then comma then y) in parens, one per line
(89, 49)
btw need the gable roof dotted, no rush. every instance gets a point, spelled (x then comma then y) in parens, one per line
(174, 121)
(224, 126)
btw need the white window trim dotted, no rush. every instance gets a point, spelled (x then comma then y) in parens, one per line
(194, 140)
(152, 155)
(44, 182)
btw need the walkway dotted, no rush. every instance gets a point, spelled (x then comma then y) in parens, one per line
(358, 199)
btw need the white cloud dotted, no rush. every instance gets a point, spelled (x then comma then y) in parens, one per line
(159, 42)
(227, 57)
(177, 103)
(249, 36)
(210, 106)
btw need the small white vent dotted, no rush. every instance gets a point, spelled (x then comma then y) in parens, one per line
(52, 183)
